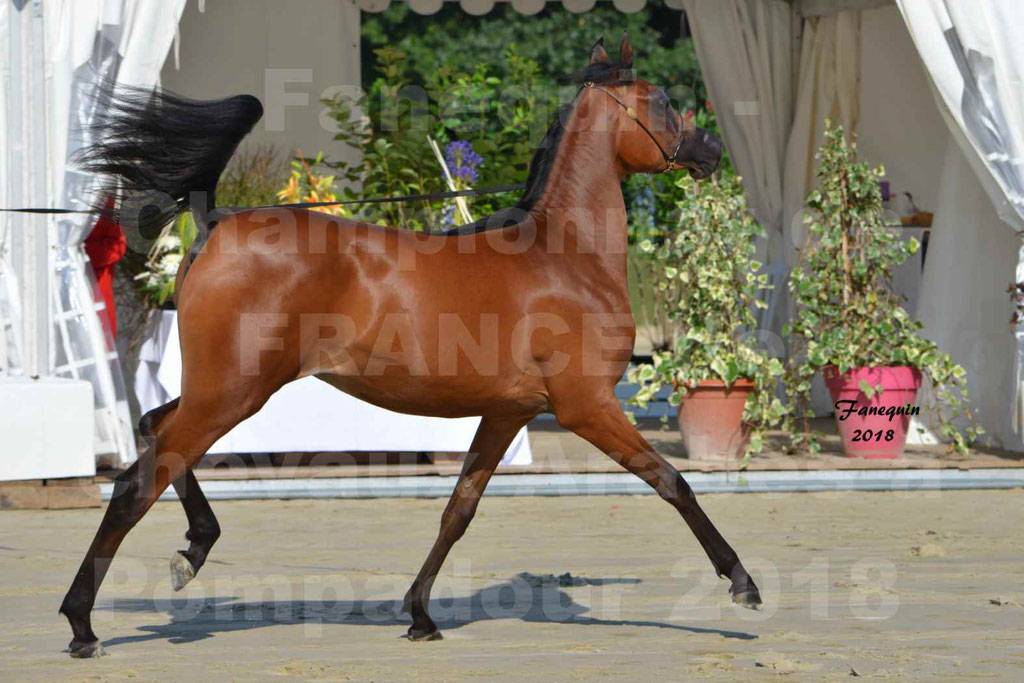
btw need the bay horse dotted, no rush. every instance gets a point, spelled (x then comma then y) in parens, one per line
(392, 316)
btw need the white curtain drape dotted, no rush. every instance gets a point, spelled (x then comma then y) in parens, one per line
(971, 257)
(11, 361)
(828, 87)
(974, 55)
(745, 50)
(86, 42)
(772, 125)
(91, 43)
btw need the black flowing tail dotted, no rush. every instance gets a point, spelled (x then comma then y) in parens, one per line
(158, 149)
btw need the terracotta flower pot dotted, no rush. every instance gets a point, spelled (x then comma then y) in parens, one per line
(711, 420)
(873, 427)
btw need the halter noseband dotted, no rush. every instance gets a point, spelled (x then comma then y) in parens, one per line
(670, 161)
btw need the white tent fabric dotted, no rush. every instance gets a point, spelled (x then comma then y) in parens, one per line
(13, 43)
(975, 58)
(120, 41)
(87, 42)
(963, 303)
(745, 48)
(745, 51)
(828, 87)
(10, 297)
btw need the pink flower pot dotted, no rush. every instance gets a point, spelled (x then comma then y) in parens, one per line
(874, 427)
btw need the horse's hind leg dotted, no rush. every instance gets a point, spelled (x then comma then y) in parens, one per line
(606, 427)
(180, 443)
(492, 438)
(203, 529)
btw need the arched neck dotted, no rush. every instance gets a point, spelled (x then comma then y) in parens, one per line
(582, 205)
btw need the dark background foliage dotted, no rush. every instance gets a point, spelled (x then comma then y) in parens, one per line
(558, 40)
(476, 62)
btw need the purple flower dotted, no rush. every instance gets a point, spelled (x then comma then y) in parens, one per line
(462, 161)
(448, 216)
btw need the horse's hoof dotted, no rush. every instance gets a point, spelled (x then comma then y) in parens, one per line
(181, 571)
(80, 650)
(750, 599)
(424, 635)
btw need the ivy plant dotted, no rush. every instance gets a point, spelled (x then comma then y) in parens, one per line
(710, 281)
(847, 313)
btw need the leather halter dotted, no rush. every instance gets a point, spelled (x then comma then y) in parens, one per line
(670, 161)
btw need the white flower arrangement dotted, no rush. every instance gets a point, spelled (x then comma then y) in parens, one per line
(156, 282)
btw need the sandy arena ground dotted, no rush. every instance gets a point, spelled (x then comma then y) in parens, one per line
(893, 585)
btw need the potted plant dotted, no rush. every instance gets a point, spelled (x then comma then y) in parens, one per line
(653, 205)
(849, 324)
(723, 385)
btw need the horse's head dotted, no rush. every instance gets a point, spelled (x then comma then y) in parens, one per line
(652, 136)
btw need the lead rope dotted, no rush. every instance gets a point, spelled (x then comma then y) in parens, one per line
(313, 205)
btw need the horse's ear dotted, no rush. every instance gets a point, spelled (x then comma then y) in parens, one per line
(626, 51)
(598, 54)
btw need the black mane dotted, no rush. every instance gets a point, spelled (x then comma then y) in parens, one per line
(604, 73)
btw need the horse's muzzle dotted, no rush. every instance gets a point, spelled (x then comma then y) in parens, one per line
(707, 155)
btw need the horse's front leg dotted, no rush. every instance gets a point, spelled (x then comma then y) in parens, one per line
(605, 426)
(492, 439)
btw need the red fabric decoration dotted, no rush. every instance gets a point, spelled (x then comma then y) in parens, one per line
(105, 246)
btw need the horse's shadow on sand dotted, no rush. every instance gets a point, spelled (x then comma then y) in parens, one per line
(528, 597)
